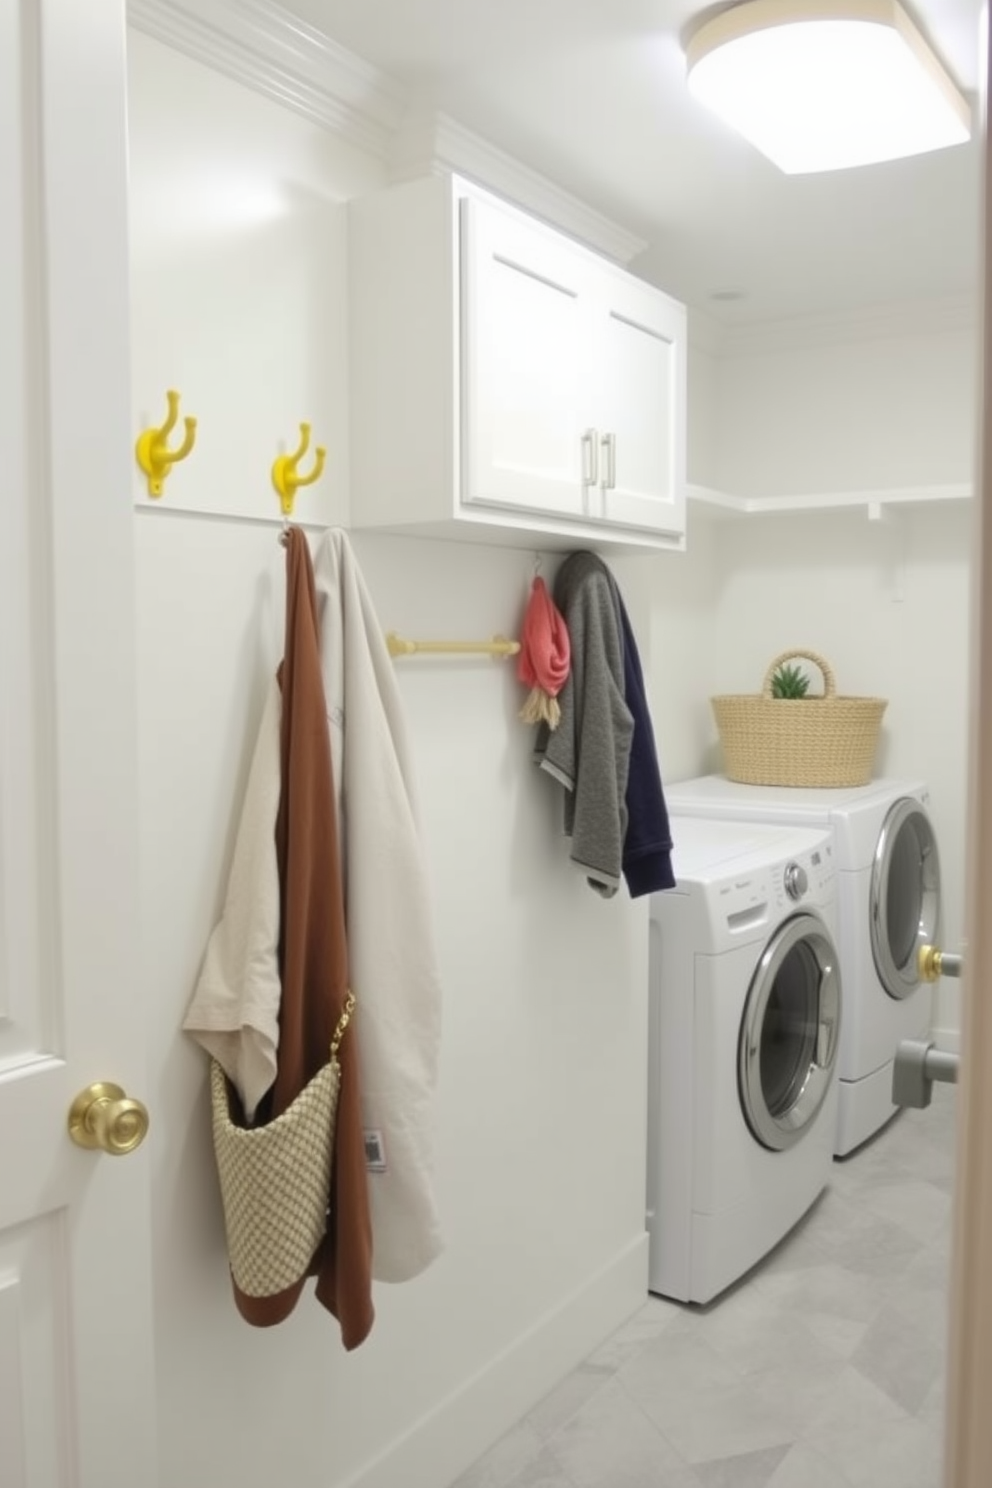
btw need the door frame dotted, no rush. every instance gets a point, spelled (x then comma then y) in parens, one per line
(968, 1424)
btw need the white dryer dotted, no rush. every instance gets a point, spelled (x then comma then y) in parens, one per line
(745, 1006)
(888, 905)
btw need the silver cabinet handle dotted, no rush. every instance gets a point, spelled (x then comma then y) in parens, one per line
(590, 457)
(609, 443)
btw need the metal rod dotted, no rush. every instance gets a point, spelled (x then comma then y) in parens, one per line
(498, 646)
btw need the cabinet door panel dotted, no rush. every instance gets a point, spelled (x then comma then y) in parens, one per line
(524, 377)
(642, 402)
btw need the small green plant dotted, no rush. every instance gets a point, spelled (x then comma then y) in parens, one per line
(789, 681)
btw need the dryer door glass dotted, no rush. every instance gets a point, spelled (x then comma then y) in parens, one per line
(904, 907)
(788, 1042)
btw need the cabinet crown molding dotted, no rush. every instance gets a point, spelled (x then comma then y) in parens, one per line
(432, 143)
(261, 45)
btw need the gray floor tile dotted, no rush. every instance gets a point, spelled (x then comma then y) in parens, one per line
(752, 1470)
(933, 1408)
(931, 1269)
(504, 1461)
(854, 1234)
(906, 1454)
(802, 1467)
(822, 1369)
(926, 1309)
(917, 1209)
(831, 1290)
(839, 1334)
(567, 1399)
(897, 1355)
(610, 1443)
(544, 1472)
(853, 1402)
(800, 1395)
(724, 1419)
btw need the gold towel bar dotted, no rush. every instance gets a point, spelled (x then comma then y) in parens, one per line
(498, 646)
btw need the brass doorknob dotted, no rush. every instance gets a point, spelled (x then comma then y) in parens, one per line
(103, 1117)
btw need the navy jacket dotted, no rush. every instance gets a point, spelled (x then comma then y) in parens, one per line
(647, 848)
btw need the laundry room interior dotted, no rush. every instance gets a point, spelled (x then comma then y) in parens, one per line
(828, 470)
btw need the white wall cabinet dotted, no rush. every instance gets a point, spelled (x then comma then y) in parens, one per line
(507, 381)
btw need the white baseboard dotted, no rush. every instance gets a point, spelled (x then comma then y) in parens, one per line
(948, 1039)
(443, 1443)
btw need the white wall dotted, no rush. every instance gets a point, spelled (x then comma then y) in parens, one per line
(703, 460)
(881, 403)
(542, 1108)
(685, 599)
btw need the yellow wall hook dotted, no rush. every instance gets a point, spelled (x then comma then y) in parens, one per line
(287, 479)
(155, 459)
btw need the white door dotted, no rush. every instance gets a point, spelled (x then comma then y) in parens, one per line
(76, 1392)
(642, 372)
(526, 363)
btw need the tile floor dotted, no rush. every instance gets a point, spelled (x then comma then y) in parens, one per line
(822, 1369)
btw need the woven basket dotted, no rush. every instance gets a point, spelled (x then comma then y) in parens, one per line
(817, 741)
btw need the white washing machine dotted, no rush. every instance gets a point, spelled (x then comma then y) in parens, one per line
(888, 905)
(745, 1003)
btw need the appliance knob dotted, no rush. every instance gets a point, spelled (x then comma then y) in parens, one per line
(796, 882)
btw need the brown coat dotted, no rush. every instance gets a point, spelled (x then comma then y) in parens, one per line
(314, 967)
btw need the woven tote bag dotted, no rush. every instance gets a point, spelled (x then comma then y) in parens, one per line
(275, 1180)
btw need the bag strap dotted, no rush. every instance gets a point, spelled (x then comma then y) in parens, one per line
(343, 1022)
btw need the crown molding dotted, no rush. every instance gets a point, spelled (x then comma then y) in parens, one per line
(434, 143)
(259, 44)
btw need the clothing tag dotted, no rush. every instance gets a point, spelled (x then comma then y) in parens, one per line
(375, 1152)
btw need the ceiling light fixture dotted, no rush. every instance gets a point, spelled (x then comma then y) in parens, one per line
(820, 85)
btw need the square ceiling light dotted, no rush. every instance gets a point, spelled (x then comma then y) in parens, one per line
(819, 85)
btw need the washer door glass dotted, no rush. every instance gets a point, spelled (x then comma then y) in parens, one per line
(904, 904)
(788, 1042)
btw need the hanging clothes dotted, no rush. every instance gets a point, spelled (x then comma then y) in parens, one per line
(390, 937)
(589, 752)
(647, 843)
(234, 1011)
(603, 750)
(544, 660)
(313, 972)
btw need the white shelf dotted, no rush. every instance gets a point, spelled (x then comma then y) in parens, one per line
(876, 504)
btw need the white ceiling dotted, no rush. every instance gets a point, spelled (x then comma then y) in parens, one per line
(592, 94)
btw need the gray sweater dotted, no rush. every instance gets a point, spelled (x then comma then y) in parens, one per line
(589, 752)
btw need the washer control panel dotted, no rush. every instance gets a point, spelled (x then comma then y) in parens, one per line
(796, 881)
